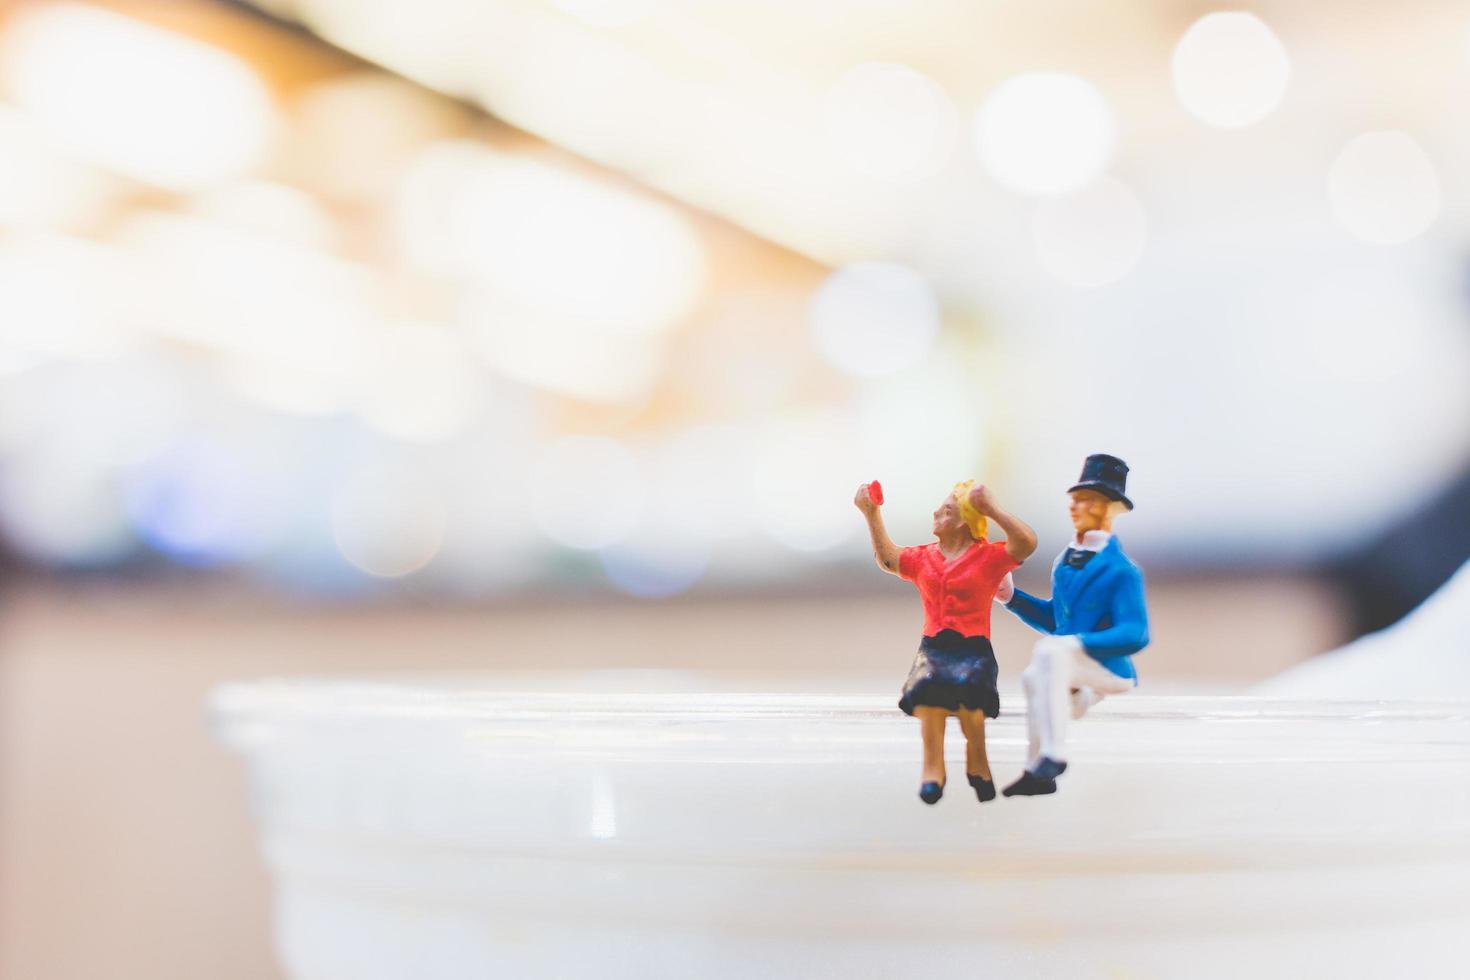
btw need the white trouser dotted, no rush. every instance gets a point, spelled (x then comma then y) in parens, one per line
(1059, 664)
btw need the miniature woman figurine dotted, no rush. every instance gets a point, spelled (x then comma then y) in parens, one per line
(1094, 622)
(954, 672)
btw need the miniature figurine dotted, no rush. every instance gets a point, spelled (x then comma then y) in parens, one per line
(954, 671)
(1095, 620)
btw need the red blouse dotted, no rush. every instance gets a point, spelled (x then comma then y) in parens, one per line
(957, 594)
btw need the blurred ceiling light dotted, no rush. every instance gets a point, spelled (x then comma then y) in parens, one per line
(1383, 188)
(419, 385)
(633, 266)
(41, 186)
(890, 122)
(135, 99)
(387, 521)
(60, 296)
(874, 318)
(749, 144)
(271, 210)
(428, 199)
(555, 243)
(607, 13)
(289, 319)
(1230, 69)
(1045, 133)
(352, 137)
(597, 93)
(1092, 237)
(803, 476)
(586, 491)
(560, 356)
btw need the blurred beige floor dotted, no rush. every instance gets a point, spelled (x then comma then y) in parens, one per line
(126, 849)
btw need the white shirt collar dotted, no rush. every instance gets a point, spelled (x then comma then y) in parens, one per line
(1093, 541)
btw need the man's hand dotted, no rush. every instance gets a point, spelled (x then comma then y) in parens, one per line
(982, 500)
(1006, 590)
(864, 502)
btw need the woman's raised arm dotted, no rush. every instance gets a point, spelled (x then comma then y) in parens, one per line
(1020, 539)
(884, 550)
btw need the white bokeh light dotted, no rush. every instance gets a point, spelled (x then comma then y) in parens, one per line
(490, 542)
(920, 433)
(419, 385)
(1093, 237)
(40, 185)
(558, 355)
(802, 480)
(586, 492)
(61, 506)
(1045, 133)
(286, 318)
(874, 318)
(428, 196)
(1383, 188)
(636, 264)
(890, 122)
(352, 136)
(387, 521)
(1230, 69)
(525, 230)
(113, 412)
(141, 101)
(61, 296)
(700, 486)
(268, 209)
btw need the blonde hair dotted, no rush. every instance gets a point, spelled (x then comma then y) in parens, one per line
(974, 520)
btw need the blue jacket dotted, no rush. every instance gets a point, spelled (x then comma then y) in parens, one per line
(1101, 603)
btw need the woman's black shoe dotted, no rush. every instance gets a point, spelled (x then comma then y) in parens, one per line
(931, 792)
(984, 788)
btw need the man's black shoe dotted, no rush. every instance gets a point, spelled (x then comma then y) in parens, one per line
(1031, 784)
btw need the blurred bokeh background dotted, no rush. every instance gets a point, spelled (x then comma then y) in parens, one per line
(344, 336)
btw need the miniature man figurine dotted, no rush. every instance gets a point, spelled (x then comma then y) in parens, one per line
(1095, 620)
(954, 671)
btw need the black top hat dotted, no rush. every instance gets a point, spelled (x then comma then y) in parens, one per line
(1108, 475)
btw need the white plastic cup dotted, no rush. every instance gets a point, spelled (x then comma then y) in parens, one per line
(449, 829)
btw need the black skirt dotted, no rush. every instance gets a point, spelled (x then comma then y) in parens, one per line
(952, 672)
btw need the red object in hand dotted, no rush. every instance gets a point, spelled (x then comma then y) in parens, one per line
(875, 493)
